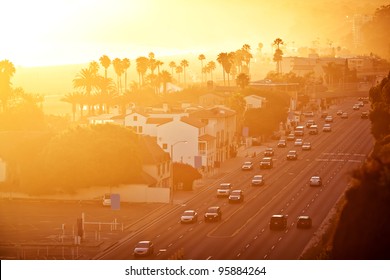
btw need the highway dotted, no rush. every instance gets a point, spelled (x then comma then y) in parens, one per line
(243, 233)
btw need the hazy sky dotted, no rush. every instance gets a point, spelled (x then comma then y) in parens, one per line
(48, 32)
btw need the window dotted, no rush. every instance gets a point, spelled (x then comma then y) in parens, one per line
(135, 118)
(140, 129)
(165, 146)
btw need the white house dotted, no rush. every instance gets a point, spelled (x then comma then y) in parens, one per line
(179, 138)
(254, 101)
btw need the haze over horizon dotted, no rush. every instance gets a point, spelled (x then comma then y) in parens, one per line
(44, 32)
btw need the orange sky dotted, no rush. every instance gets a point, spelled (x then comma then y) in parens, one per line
(48, 32)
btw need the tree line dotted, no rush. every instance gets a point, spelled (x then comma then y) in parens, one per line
(363, 229)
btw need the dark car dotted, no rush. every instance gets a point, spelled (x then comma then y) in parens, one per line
(364, 115)
(143, 248)
(213, 214)
(266, 162)
(236, 196)
(304, 222)
(292, 155)
(278, 222)
(269, 152)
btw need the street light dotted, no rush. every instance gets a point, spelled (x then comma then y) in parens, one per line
(171, 189)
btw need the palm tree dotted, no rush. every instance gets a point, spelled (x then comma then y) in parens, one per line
(247, 56)
(227, 62)
(184, 64)
(7, 70)
(278, 55)
(74, 98)
(94, 66)
(152, 62)
(165, 78)
(125, 65)
(106, 94)
(158, 64)
(242, 80)
(118, 67)
(179, 70)
(201, 57)
(105, 61)
(211, 67)
(172, 64)
(142, 66)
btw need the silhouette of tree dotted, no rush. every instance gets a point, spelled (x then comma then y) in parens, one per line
(184, 64)
(142, 66)
(7, 70)
(201, 57)
(278, 55)
(105, 61)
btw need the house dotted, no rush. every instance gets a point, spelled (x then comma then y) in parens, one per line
(155, 162)
(212, 99)
(220, 123)
(254, 101)
(179, 138)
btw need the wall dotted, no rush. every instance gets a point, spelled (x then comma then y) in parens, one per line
(128, 193)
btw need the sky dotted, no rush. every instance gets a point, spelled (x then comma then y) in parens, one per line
(54, 32)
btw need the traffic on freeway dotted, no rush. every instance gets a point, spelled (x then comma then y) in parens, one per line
(279, 216)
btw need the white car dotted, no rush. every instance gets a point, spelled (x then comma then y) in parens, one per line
(143, 248)
(298, 142)
(224, 190)
(248, 165)
(327, 128)
(257, 180)
(315, 181)
(329, 119)
(106, 199)
(306, 146)
(189, 216)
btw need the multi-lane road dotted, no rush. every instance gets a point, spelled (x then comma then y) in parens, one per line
(243, 232)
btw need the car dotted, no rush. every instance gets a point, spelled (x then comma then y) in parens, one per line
(106, 200)
(213, 214)
(360, 104)
(290, 137)
(308, 114)
(292, 155)
(268, 152)
(258, 180)
(324, 115)
(355, 107)
(364, 115)
(236, 196)
(304, 222)
(266, 162)
(189, 216)
(309, 123)
(144, 248)
(282, 143)
(298, 142)
(248, 165)
(224, 189)
(329, 119)
(339, 113)
(315, 181)
(313, 129)
(327, 128)
(278, 222)
(306, 146)
(344, 115)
